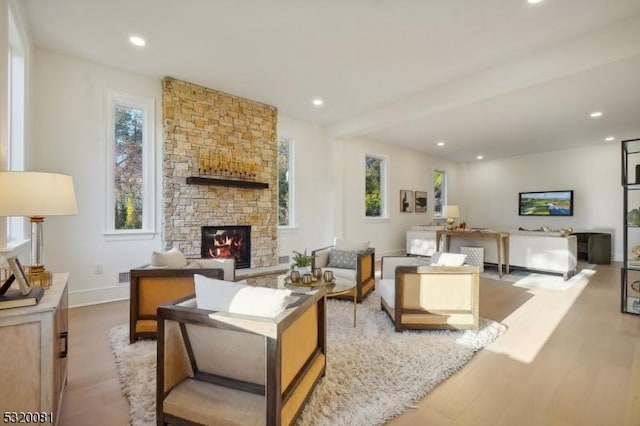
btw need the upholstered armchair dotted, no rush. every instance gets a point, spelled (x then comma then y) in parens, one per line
(218, 367)
(417, 295)
(349, 259)
(151, 287)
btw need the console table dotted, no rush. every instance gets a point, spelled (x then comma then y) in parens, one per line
(501, 239)
(33, 350)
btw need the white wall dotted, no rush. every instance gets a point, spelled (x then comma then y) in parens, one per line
(69, 137)
(490, 190)
(408, 170)
(313, 188)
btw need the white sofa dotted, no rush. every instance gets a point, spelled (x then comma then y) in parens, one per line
(535, 250)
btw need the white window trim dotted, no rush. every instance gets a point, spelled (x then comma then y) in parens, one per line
(292, 190)
(112, 98)
(384, 214)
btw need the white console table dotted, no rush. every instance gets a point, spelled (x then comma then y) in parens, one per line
(33, 355)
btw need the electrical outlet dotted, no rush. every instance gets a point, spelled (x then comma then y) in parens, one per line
(97, 269)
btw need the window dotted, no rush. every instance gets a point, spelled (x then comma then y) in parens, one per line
(130, 207)
(16, 72)
(375, 186)
(285, 182)
(439, 192)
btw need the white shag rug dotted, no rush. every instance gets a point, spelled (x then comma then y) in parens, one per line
(373, 373)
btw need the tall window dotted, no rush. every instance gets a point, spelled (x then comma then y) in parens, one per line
(375, 184)
(16, 72)
(285, 182)
(130, 164)
(439, 191)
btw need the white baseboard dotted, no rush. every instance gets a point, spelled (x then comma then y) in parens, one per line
(99, 295)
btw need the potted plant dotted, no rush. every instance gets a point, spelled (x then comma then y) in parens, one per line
(302, 262)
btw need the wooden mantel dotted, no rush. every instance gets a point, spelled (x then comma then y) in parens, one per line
(196, 180)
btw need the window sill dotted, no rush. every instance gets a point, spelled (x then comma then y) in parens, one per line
(129, 235)
(375, 219)
(288, 228)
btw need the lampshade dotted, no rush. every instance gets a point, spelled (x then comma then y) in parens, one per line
(36, 194)
(450, 211)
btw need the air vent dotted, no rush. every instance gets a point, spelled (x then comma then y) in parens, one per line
(123, 277)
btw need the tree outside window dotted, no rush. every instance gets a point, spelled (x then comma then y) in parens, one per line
(284, 182)
(128, 167)
(374, 186)
(439, 192)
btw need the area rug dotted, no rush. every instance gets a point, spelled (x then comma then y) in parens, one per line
(529, 279)
(373, 373)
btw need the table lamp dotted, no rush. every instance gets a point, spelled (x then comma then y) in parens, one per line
(37, 195)
(451, 212)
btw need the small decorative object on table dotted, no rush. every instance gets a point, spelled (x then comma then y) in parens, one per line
(301, 262)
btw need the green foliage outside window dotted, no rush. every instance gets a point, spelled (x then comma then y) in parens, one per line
(373, 181)
(128, 167)
(283, 182)
(438, 192)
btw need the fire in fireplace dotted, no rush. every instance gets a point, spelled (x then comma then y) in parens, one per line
(227, 241)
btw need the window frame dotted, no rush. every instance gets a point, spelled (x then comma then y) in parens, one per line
(291, 181)
(438, 214)
(384, 201)
(16, 227)
(147, 105)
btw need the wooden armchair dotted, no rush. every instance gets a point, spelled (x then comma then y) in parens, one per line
(363, 274)
(420, 296)
(150, 288)
(219, 368)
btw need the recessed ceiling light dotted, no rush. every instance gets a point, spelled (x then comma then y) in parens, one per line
(440, 143)
(138, 41)
(609, 138)
(318, 102)
(479, 157)
(533, 1)
(596, 114)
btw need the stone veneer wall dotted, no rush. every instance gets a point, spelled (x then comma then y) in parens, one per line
(195, 120)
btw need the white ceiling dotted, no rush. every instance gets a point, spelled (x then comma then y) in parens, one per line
(496, 78)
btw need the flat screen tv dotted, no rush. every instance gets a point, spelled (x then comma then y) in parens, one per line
(546, 203)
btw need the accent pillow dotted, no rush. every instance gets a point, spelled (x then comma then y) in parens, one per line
(340, 244)
(226, 296)
(172, 259)
(449, 259)
(344, 259)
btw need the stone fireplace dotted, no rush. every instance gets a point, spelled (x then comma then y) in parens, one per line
(227, 242)
(198, 121)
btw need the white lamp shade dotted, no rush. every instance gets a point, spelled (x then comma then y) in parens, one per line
(36, 194)
(450, 211)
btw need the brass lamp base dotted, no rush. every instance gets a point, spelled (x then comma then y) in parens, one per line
(450, 222)
(40, 277)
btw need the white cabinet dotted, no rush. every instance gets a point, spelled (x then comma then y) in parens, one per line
(421, 243)
(33, 354)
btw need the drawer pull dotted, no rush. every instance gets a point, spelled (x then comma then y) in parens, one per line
(65, 335)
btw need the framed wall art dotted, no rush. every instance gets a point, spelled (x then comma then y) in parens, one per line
(421, 202)
(406, 201)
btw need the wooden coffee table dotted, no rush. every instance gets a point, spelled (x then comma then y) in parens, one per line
(338, 287)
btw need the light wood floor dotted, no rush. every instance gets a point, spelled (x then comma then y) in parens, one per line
(568, 358)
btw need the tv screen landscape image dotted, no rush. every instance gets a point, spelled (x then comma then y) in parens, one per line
(546, 203)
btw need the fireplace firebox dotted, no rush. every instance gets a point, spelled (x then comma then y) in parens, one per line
(226, 242)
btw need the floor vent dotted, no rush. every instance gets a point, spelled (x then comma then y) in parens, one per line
(123, 277)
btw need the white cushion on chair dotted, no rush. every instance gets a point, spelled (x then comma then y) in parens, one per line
(171, 259)
(347, 245)
(449, 259)
(386, 287)
(349, 274)
(226, 296)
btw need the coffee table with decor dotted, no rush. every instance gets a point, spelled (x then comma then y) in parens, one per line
(339, 286)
